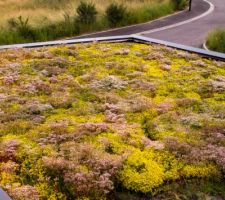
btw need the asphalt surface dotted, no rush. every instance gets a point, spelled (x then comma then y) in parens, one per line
(191, 34)
(199, 6)
(194, 33)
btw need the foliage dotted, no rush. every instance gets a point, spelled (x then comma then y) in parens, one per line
(90, 121)
(81, 172)
(25, 192)
(86, 13)
(180, 4)
(216, 40)
(115, 14)
(141, 173)
(149, 127)
(87, 19)
(201, 170)
(23, 27)
(191, 189)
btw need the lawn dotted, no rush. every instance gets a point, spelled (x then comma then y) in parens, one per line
(111, 121)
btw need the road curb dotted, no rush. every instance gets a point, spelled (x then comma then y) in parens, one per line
(210, 10)
(205, 46)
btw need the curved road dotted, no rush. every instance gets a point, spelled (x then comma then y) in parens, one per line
(194, 33)
(191, 34)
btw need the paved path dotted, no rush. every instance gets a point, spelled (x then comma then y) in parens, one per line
(192, 33)
(199, 7)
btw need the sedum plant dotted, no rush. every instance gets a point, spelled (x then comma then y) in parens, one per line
(111, 121)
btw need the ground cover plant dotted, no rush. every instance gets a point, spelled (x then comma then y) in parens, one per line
(216, 40)
(111, 121)
(38, 20)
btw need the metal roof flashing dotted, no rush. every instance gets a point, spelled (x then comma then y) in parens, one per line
(4, 195)
(123, 38)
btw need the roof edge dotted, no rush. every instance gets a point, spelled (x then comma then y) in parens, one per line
(4, 195)
(202, 52)
(72, 41)
(122, 38)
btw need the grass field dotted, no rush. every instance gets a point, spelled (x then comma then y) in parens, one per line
(43, 20)
(54, 10)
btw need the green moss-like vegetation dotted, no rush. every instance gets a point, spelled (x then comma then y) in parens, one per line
(111, 121)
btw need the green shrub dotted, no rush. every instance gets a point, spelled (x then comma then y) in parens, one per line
(216, 40)
(115, 14)
(179, 4)
(86, 13)
(67, 27)
(23, 27)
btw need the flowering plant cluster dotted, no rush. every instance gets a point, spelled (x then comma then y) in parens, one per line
(111, 121)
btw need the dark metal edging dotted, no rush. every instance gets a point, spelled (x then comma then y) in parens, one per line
(203, 52)
(134, 38)
(4, 195)
(65, 42)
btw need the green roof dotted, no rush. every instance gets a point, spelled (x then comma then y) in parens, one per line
(96, 119)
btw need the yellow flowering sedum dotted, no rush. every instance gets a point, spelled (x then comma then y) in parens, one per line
(141, 173)
(88, 121)
(201, 170)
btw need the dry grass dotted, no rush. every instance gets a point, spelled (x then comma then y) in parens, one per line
(40, 11)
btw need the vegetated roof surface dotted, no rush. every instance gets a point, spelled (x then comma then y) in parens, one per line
(114, 120)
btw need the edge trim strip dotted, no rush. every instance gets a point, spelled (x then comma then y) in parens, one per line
(131, 38)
